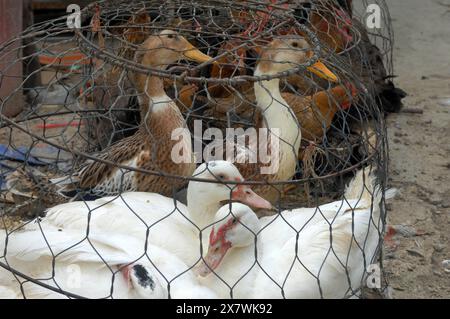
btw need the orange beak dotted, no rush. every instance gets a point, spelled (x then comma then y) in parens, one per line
(194, 54)
(322, 71)
(245, 195)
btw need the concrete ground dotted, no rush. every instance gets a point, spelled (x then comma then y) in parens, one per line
(420, 152)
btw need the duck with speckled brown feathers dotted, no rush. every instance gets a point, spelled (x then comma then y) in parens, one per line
(150, 147)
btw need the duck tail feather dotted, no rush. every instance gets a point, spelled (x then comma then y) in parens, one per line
(390, 193)
(66, 185)
(362, 186)
(365, 187)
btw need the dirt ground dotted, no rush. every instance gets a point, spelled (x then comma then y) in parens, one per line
(420, 152)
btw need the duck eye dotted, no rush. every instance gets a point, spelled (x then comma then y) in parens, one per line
(221, 176)
(171, 36)
(235, 220)
(295, 44)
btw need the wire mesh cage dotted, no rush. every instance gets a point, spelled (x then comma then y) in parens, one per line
(195, 149)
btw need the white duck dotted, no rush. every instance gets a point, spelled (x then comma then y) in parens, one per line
(106, 265)
(72, 265)
(303, 253)
(162, 221)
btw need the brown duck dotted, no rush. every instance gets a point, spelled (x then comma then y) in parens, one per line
(150, 147)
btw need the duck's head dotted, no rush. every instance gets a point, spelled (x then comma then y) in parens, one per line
(237, 226)
(213, 194)
(168, 47)
(288, 52)
(142, 282)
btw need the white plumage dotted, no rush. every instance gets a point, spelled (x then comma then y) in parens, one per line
(94, 267)
(303, 253)
(67, 260)
(127, 222)
(163, 221)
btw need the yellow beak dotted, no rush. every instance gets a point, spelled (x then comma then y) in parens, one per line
(194, 54)
(322, 71)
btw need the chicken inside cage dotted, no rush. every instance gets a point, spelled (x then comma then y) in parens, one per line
(195, 149)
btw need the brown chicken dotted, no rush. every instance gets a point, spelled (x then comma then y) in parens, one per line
(134, 33)
(315, 113)
(333, 22)
(234, 52)
(229, 65)
(329, 22)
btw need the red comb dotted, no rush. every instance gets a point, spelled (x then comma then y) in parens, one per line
(352, 88)
(348, 102)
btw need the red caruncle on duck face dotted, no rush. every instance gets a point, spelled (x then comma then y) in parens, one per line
(218, 246)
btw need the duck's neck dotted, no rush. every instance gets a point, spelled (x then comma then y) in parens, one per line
(161, 118)
(201, 211)
(151, 95)
(278, 115)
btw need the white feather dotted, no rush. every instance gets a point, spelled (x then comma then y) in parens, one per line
(308, 252)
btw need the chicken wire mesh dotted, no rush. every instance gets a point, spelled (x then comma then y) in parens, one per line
(143, 93)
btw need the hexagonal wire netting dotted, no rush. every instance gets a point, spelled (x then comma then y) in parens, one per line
(112, 179)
